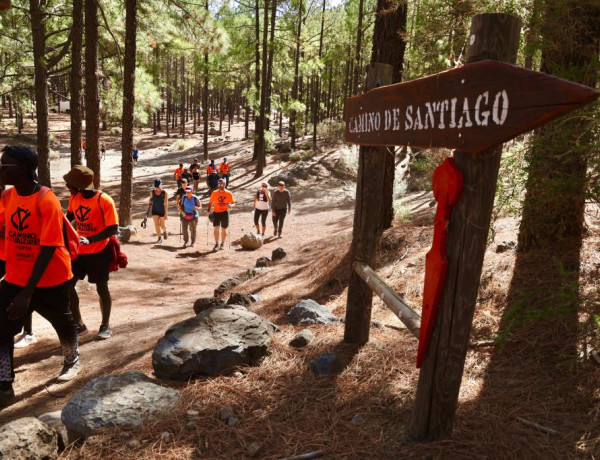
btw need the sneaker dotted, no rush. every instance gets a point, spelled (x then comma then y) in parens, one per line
(104, 332)
(165, 234)
(81, 329)
(159, 240)
(192, 245)
(7, 394)
(216, 246)
(69, 371)
(25, 340)
(279, 235)
(275, 232)
(222, 246)
(184, 244)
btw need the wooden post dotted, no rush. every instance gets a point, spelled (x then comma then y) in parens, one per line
(367, 216)
(492, 36)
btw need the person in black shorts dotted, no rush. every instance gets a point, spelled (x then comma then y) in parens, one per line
(96, 221)
(195, 170)
(262, 200)
(221, 200)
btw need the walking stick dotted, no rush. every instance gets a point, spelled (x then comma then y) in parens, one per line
(207, 221)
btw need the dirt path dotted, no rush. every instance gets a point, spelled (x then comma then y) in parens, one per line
(162, 281)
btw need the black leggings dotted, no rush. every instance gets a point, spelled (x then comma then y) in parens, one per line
(50, 302)
(278, 219)
(262, 215)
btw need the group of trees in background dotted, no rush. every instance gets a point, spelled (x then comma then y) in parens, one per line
(174, 64)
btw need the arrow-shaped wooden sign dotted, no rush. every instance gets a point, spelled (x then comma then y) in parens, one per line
(471, 108)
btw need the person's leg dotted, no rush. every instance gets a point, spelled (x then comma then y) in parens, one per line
(275, 220)
(28, 325)
(163, 226)
(8, 329)
(282, 215)
(105, 301)
(263, 219)
(226, 180)
(223, 236)
(184, 226)
(193, 225)
(256, 217)
(74, 301)
(156, 220)
(53, 304)
(216, 233)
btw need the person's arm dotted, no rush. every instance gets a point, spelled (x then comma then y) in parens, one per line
(149, 205)
(166, 205)
(268, 196)
(254, 204)
(289, 202)
(103, 235)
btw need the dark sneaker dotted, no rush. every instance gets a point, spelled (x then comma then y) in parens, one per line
(280, 235)
(69, 371)
(104, 332)
(81, 329)
(7, 394)
(216, 247)
(184, 245)
(275, 232)
(165, 235)
(192, 245)
(159, 240)
(222, 246)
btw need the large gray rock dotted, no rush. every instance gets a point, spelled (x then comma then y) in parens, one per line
(302, 338)
(251, 241)
(53, 420)
(204, 303)
(28, 438)
(212, 343)
(125, 233)
(226, 285)
(123, 400)
(285, 176)
(237, 298)
(310, 312)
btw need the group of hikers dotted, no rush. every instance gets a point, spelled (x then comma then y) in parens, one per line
(220, 202)
(43, 258)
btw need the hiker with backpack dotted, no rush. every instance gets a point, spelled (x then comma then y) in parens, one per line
(38, 264)
(262, 200)
(225, 171)
(158, 205)
(96, 220)
(221, 200)
(189, 205)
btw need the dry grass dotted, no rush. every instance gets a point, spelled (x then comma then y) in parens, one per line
(287, 410)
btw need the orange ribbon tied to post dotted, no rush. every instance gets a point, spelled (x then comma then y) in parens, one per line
(447, 188)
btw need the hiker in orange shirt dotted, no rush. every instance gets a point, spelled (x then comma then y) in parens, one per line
(177, 175)
(221, 200)
(38, 265)
(96, 221)
(224, 171)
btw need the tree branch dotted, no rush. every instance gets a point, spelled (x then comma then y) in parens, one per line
(65, 49)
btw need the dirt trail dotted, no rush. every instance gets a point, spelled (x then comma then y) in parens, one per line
(162, 281)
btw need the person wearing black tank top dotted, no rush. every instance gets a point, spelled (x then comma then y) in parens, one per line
(158, 205)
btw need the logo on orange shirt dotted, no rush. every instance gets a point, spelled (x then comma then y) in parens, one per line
(19, 218)
(81, 213)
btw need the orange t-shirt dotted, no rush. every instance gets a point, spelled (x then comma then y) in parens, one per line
(92, 215)
(224, 167)
(30, 225)
(178, 172)
(221, 199)
(2, 235)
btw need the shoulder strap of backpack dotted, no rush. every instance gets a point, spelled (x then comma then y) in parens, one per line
(42, 193)
(101, 211)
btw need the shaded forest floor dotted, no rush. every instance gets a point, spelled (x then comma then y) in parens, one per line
(529, 355)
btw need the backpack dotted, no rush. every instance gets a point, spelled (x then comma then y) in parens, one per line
(119, 258)
(70, 236)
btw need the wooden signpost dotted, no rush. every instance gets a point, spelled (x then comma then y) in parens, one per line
(472, 109)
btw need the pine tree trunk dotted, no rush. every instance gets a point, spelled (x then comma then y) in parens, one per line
(357, 55)
(553, 210)
(257, 73)
(75, 83)
(183, 97)
(92, 99)
(295, 83)
(205, 106)
(128, 107)
(260, 125)
(38, 33)
(169, 106)
(267, 123)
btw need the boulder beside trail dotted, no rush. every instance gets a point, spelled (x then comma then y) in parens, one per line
(213, 342)
(251, 241)
(240, 299)
(262, 262)
(226, 285)
(308, 311)
(53, 420)
(278, 254)
(204, 303)
(123, 400)
(28, 438)
(125, 233)
(302, 338)
(285, 176)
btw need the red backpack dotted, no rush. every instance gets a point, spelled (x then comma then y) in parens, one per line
(69, 234)
(119, 258)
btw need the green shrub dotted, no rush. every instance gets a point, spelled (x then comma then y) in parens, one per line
(179, 145)
(295, 156)
(331, 131)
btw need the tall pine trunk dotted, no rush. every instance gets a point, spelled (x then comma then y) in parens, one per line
(357, 53)
(260, 124)
(295, 82)
(75, 83)
(92, 99)
(128, 106)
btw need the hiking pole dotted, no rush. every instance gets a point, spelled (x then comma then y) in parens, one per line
(207, 221)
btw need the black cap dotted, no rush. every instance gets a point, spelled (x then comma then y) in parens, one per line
(24, 155)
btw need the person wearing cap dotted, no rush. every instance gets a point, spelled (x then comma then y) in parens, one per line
(188, 205)
(38, 265)
(224, 171)
(181, 190)
(212, 181)
(177, 175)
(96, 220)
(158, 205)
(262, 199)
(221, 200)
(185, 174)
(210, 168)
(281, 203)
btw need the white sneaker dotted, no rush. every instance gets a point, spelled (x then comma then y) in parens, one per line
(69, 371)
(25, 340)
